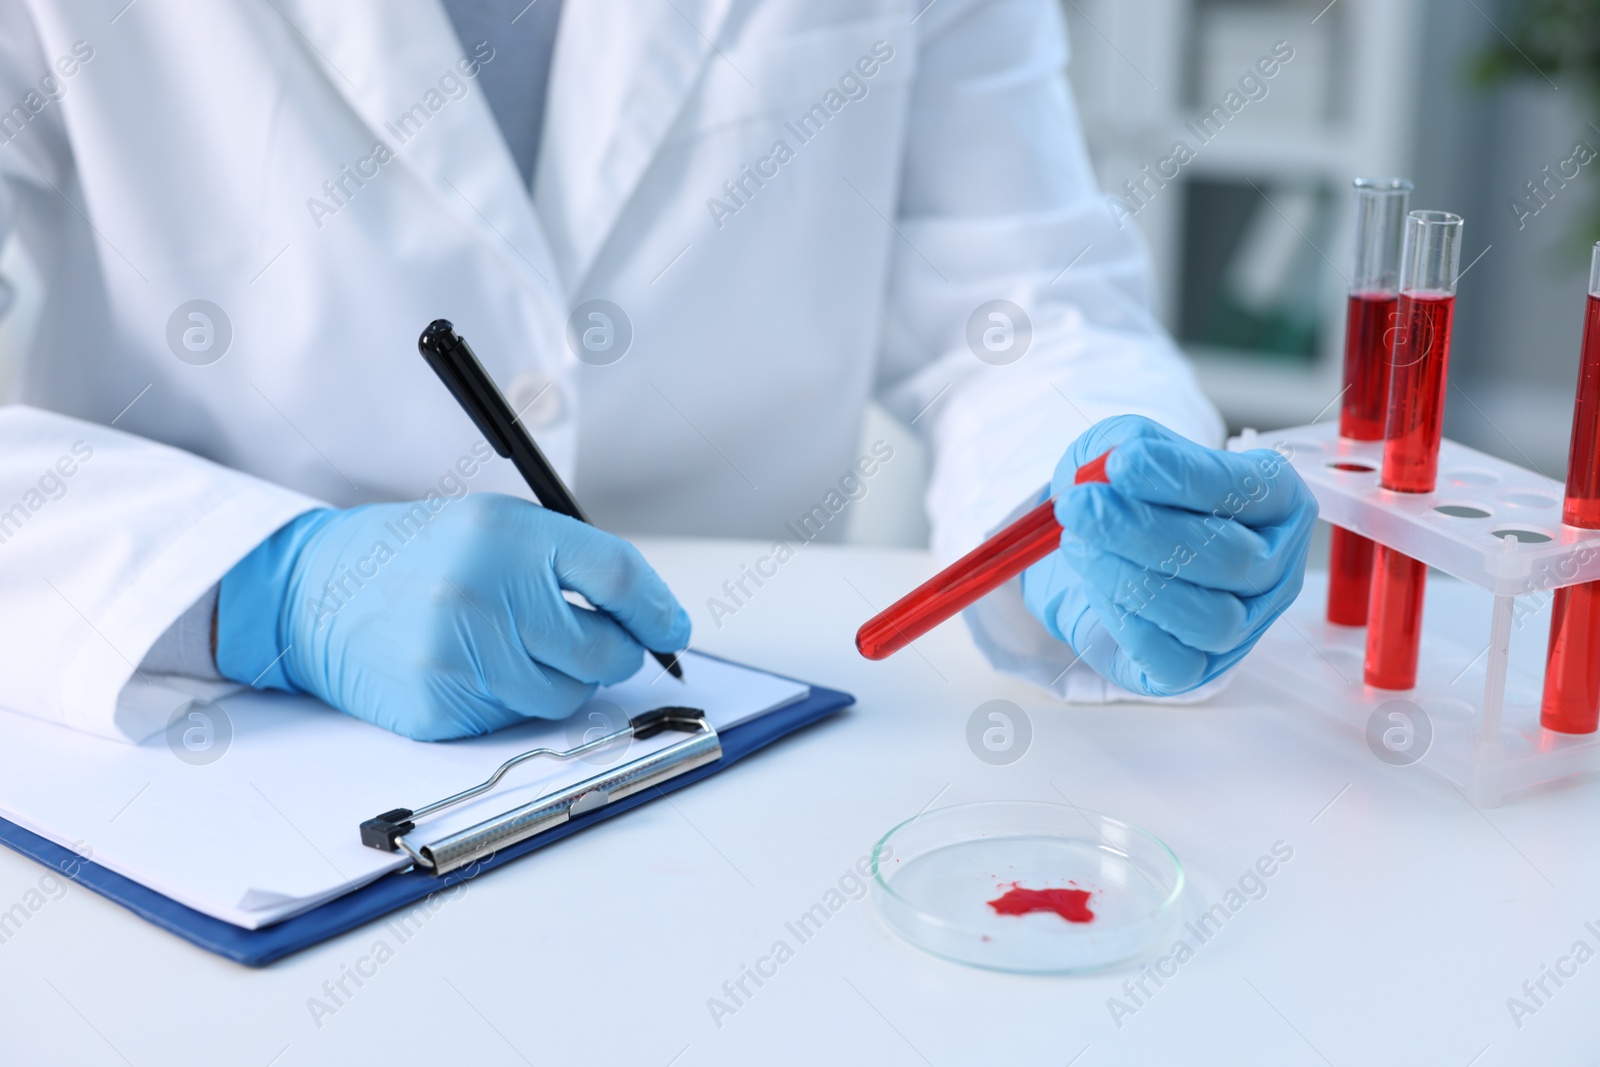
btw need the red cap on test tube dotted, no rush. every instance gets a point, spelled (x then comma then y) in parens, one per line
(1429, 267)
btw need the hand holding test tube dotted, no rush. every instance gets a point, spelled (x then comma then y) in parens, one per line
(1161, 569)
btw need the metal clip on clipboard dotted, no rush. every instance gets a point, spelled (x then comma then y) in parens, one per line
(387, 832)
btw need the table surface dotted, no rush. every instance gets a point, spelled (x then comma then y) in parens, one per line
(1397, 932)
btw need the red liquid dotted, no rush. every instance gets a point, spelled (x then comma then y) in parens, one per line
(1583, 460)
(1094, 470)
(1415, 424)
(1368, 341)
(1071, 904)
(1349, 577)
(981, 571)
(1368, 344)
(1572, 670)
(1398, 585)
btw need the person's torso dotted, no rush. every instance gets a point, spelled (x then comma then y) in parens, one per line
(327, 179)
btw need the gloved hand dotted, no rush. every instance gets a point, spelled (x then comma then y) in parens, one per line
(1170, 573)
(443, 623)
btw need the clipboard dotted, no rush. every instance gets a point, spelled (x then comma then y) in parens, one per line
(394, 891)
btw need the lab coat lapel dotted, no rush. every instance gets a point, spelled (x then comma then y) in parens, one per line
(386, 58)
(621, 72)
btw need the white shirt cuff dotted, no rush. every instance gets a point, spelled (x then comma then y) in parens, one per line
(185, 647)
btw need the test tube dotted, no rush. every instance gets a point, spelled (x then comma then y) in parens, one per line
(1571, 702)
(1381, 205)
(1414, 423)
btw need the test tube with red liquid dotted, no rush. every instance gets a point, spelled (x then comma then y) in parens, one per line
(1571, 702)
(976, 574)
(1381, 205)
(1419, 364)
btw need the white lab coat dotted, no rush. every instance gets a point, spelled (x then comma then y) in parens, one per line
(228, 152)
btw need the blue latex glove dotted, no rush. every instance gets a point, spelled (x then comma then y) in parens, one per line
(443, 622)
(1170, 573)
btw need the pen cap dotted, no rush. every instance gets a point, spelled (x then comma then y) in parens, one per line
(446, 352)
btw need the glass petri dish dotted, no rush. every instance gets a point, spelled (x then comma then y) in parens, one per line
(935, 875)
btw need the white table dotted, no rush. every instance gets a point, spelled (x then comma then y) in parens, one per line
(1394, 935)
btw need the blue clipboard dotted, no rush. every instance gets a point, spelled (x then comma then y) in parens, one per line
(393, 891)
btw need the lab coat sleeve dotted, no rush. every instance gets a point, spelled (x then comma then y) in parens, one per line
(998, 202)
(105, 540)
(34, 148)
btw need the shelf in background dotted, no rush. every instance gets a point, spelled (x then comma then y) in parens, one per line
(1144, 69)
(1283, 152)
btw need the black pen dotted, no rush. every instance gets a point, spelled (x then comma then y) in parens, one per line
(452, 359)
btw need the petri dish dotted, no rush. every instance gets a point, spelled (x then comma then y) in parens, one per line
(935, 875)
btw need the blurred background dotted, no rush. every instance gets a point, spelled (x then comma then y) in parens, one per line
(1250, 241)
(1471, 99)
(1484, 104)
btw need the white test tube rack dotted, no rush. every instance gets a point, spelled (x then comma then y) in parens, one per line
(1491, 523)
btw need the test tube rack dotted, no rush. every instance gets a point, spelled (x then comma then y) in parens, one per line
(1490, 523)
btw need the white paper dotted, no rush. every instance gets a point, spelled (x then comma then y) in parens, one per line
(270, 829)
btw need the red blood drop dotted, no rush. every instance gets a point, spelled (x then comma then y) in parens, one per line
(1071, 904)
